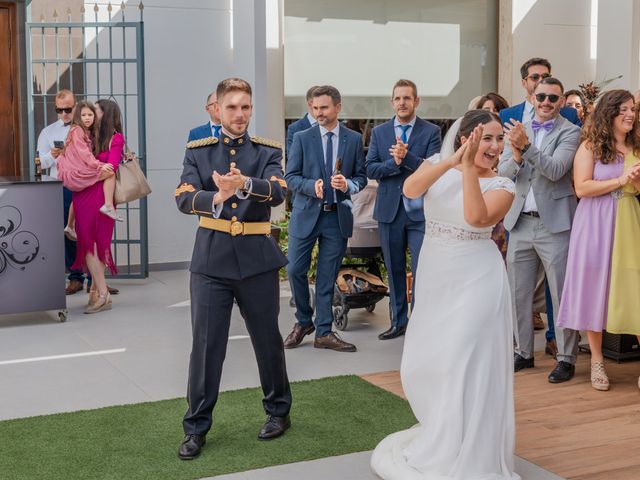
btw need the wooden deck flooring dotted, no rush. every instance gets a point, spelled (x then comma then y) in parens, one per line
(571, 429)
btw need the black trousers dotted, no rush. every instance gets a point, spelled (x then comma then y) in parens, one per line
(211, 304)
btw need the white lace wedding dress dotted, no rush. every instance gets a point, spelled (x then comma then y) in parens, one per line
(457, 364)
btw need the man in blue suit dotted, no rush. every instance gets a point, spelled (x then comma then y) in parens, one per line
(532, 71)
(398, 147)
(304, 123)
(212, 127)
(325, 167)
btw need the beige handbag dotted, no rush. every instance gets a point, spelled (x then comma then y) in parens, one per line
(131, 183)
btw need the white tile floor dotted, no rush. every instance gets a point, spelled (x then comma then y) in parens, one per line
(149, 332)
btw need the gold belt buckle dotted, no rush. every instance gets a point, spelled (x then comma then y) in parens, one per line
(236, 228)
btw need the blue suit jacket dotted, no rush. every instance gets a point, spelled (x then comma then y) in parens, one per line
(203, 131)
(517, 111)
(306, 165)
(297, 126)
(424, 141)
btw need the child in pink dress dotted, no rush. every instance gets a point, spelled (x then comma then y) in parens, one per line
(78, 168)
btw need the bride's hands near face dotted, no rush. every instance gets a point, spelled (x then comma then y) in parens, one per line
(473, 143)
(456, 158)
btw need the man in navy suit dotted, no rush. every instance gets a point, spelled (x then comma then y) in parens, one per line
(398, 147)
(212, 127)
(532, 71)
(304, 123)
(325, 167)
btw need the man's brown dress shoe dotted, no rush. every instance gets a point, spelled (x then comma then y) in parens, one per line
(74, 286)
(538, 323)
(111, 290)
(297, 334)
(333, 342)
(551, 348)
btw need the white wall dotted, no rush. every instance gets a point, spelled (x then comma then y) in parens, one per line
(585, 40)
(559, 31)
(188, 50)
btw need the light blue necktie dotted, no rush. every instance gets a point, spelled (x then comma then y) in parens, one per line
(409, 204)
(328, 167)
(216, 130)
(404, 129)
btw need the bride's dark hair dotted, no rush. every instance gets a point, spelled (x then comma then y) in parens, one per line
(470, 120)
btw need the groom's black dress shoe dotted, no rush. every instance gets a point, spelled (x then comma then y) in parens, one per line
(274, 427)
(563, 372)
(191, 446)
(393, 332)
(519, 362)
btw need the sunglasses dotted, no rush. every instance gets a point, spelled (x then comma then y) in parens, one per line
(536, 76)
(552, 98)
(65, 110)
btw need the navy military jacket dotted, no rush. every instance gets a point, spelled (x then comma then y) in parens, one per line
(215, 253)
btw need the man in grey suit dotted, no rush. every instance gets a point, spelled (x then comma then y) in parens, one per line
(539, 157)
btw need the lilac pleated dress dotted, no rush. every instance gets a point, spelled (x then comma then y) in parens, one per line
(586, 285)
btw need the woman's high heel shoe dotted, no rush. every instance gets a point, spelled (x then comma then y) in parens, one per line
(599, 379)
(102, 303)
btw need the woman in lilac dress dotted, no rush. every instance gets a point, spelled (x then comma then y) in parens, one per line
(95, 230)
(605, 172)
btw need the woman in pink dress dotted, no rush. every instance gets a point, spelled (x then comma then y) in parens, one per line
(95, 230)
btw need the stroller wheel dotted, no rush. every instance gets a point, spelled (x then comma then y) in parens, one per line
(370, 308)
(340, 318)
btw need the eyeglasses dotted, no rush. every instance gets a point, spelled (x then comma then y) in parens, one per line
(65, 110)
(542, 96)
(536, 76)
(212, 103)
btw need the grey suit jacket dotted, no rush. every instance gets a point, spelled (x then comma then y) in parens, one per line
(548, 171)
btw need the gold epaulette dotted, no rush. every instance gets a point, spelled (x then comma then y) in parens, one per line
(185, 187)
(267, 142)
(202, 142)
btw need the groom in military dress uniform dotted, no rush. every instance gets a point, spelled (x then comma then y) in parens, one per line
(231, 183)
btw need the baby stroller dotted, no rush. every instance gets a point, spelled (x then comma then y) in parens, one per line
(359, 284)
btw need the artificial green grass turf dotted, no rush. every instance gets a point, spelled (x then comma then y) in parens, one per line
(331, 416)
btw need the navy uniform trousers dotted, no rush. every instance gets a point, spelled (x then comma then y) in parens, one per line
(211, 304)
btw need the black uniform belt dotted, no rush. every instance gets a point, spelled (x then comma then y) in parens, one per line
(234, 228)
(531, 214)
(329, 208)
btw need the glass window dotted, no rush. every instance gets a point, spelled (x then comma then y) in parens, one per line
(449, 49)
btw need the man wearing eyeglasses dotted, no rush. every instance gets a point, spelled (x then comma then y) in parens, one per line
(212, 127)
(531, 72)
(538, 157)
(50, 145)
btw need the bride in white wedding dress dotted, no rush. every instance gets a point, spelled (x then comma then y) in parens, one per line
(457, 364)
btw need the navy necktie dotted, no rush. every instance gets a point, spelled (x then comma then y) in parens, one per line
(216, 130)
(328, 168)
(404, 129)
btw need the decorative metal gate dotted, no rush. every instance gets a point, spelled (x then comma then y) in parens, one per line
(100, 56)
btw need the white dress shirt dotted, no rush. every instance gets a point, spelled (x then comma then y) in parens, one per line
(213, 131)
(57, 131)
(351, 187)
(398, 130)
(528, 113)
(530, 202)
(311, 120)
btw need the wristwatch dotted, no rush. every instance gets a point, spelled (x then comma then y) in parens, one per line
(525, 148)
(246, 184)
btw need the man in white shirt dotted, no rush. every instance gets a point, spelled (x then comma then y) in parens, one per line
(50, 145)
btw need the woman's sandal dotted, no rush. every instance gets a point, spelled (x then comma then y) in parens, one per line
(102, 303)
(599, 379)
